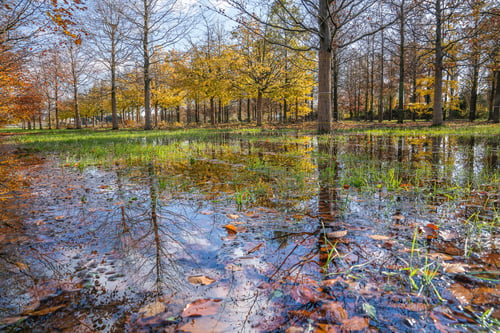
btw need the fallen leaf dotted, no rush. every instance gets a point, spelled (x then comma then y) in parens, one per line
(46, 311)
(61, 217)
(203, 280)
(484, 296)
(430, 231)
(335, 311)
(22, 266)
(202, 307)
(462, 294)
(398, 217)
(380, 237)
(304, 295)
(355, 324)
(11, 320)
(441, 256)
(454, 268)
(326, 328)
(448, 235)
(294, 329)
(234, 268)
(303, 314)
(370, 310)
(336, 234)
(416, 307)
(202, 325)
(232, 216)
(442, 328)
(492, 259)
(207, 212)
(152, 309)
(255, 249)
(231, 229)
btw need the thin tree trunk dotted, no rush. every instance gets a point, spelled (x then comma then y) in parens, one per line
(401, 63)
(114, 113)
(381, 87)
(148, 124)
(437, 114)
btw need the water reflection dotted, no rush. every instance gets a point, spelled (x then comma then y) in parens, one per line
(111, 242)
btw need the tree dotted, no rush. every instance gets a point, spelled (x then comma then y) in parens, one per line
(321, 26)
(108, 35)
(157, 24)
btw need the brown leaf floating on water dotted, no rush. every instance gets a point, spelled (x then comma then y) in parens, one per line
(462, 294)
(232, 216)
(336, 234)
(202, 307)
(152, 309)
(379, 237)
(46, 311)
(335, 310)
(200, 279)
(355, 324)
(304, 294)
(455, 267)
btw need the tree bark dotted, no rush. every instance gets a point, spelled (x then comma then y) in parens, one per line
(401, 86)
(259, 108)
(324, 70)
(496, 104)
(148, 124)
(114, 114)
(437, 112)
(381, 87)
(473, 92)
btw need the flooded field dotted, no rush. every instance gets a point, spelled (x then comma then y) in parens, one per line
(249, 232)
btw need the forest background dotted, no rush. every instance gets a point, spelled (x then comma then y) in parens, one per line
(153, 63)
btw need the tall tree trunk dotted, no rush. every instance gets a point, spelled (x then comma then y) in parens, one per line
(259, 108)
(367, 90)
(491, 97)
(381, 87)
(114, 113)
(148, 124)
(78, 121)
(372, 80)
(248, 111)
(335, 84)
(496, 104)
(437, 113)
(401, 86)
(48, 115)
(240, 107)
(56, 102)
(212, 111)
(285, 110)
(473, 91)
(324, 69)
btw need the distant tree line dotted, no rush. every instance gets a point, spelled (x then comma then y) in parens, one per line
(151, 63)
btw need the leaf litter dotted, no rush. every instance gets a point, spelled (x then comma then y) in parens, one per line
(384, 275)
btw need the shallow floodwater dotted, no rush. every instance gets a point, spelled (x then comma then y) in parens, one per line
(255, 234)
